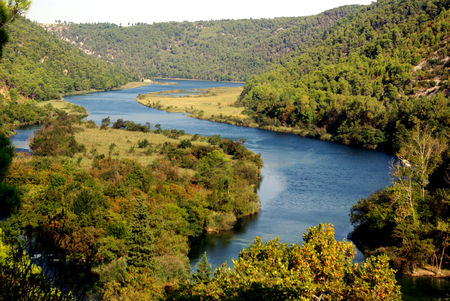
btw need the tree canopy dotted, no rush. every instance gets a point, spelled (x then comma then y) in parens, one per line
(376, 74)
(213, 50)
(319, 269)
(40, 66)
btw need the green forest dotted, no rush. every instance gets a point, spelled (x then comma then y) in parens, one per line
(40, 66)
(37, 66)
(214, 50)
(376, 76)
(107, 212)
(378, 81)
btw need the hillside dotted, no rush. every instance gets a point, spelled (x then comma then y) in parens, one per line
(215, 50)
(38, 65)
(375, 76)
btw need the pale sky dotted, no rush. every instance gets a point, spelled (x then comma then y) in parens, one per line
(149, 11)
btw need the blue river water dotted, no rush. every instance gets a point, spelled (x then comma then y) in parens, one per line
(305, 181)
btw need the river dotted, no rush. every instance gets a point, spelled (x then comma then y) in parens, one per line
(304, 181)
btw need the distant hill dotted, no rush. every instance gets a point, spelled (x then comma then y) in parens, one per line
(40, 66)
(377, 74)
(215, 50)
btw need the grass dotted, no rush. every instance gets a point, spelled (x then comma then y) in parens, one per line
(215, 104)
(68, 107)
(131, 85)
(125, 144)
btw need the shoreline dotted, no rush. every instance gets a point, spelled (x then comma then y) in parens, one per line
(428, 271)
(200, 80)
(179, 104)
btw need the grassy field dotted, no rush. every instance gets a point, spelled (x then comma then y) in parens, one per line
(215, 104)
(131, 85)
(123, 144)
(68, 107)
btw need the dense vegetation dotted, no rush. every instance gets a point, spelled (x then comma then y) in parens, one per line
(117, 227)
(40, 66)
(215, 50)
(378, 80)
(36, 65)
(320, 269)
(20, 279)
(16, 113)
(409, 220)
(108, 226)
(376, 75)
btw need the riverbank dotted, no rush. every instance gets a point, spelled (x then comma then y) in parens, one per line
(218, 105)
(197, 80)
(429, 271)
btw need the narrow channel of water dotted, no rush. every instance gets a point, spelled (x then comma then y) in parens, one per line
(305, 181)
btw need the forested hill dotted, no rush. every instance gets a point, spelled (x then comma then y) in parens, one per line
(378, 74)
(40, 66)
(215, 50)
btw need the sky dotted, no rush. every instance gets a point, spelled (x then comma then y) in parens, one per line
(150, 11)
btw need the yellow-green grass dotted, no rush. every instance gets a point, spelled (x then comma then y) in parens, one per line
(132, 85)
(215, 104)
(68, 107)
(98, 141)
(218, 105)
(147, 82)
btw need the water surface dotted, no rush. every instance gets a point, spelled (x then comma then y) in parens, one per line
(305, 181)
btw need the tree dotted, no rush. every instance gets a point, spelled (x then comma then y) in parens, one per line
(141, 240)
(105, 123)
(320, 269)
(7, 15)
(203, 273)
(409, 220)
(9, 199)
(21, 279)
(418, 158)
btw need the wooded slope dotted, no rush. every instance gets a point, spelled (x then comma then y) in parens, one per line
(38, 65)
(215, 50)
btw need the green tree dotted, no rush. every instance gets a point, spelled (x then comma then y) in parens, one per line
(320, 269)
(9, 198)
(105, 123)
(141, 240)
(203, 273)
(408, 220)
(7, 14)
(21, 279)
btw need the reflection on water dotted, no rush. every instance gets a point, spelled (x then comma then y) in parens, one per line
(424, 289)
(22, 139)
(217, 241)
(305, 181)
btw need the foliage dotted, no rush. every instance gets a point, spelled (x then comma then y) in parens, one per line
(56, 137)
(320, 269)
(105, 227)
(20, 279)
(214, 50)
(409, 220)
(203, 272)
(20, 113)
(376, 74)
(40, 66)
(9, 201)
(8, 12)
